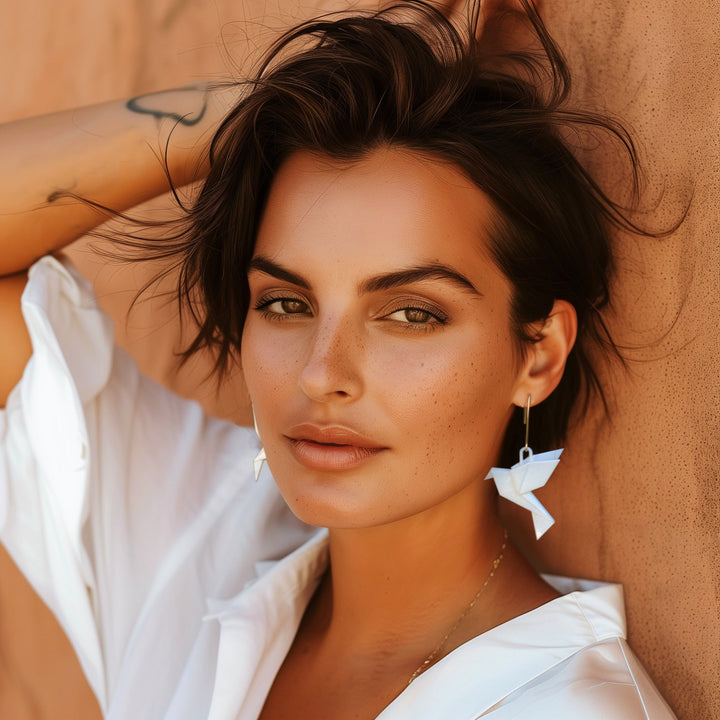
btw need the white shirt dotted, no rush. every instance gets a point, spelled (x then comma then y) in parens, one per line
(181, 582)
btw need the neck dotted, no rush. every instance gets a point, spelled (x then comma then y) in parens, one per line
(405, 583)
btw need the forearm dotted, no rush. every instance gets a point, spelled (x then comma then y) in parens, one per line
(111, 154)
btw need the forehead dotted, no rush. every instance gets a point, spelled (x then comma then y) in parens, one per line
(393, 207)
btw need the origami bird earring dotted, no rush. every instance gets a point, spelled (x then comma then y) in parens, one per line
(530, 473)
(260, 458)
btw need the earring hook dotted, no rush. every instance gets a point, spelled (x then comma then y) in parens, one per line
(526, 452)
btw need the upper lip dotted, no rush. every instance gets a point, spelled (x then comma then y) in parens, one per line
(331, 435)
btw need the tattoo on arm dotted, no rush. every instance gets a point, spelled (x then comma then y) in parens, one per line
(137, 105)
(62, 194)
(55, 195)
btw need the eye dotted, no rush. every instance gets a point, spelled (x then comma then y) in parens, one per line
(418, 315)
(282, 307)
(410, 315)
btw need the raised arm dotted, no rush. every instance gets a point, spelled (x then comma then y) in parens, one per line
(108, 153)
(112, 154)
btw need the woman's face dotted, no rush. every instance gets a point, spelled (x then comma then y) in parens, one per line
(377, 349)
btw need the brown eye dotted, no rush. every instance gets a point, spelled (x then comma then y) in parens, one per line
(414, 315)
(417, 316)
(282, 307)
(291, 306)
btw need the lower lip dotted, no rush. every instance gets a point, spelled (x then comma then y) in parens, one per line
(318, 456)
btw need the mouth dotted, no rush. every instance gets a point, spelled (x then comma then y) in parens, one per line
(331, 448)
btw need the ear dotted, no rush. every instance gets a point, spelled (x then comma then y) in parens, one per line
(544, 364)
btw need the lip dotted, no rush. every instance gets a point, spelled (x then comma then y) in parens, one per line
(331, 447)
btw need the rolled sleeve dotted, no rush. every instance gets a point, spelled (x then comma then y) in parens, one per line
(45, 452)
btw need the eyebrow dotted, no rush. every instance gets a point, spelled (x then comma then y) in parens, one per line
(378, 283)
(429, 271)
(269, 267)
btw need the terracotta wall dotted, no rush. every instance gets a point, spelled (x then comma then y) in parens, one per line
(639, 498)
(636, 499)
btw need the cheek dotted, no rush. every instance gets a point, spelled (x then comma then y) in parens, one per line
(266, 363)
(454, 398)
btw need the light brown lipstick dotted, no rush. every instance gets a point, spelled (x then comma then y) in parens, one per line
(331, 447)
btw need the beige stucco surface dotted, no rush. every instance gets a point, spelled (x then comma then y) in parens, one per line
(636, 498)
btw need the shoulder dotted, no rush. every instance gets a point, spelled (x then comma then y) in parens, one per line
(603, 680)
(565, 660)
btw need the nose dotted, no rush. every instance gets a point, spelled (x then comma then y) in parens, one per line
(333, 370)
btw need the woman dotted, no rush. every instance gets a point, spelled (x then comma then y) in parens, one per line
(400, 248)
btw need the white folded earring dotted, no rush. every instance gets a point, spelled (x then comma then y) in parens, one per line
(530, 473)
(260, 458)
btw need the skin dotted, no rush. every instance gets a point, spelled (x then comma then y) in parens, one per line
(109, 153)
(106, 153)
(427, 372)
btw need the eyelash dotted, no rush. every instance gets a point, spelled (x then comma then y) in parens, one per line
(436, 316)
(264, 303)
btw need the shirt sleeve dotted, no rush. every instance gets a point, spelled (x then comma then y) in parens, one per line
(104, 474)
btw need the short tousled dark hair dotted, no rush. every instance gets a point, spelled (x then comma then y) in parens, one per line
(407, 77)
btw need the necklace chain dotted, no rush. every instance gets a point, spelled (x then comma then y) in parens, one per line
(438, 648)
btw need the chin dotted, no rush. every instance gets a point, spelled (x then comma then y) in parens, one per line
(325, 512)
(341, 500)
(331, 507)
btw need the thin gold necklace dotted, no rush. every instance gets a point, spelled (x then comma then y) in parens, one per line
(438, 648)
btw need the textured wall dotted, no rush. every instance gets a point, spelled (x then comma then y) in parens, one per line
(636, 499)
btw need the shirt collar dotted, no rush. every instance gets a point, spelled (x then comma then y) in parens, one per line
(259, 624)
(488, 668)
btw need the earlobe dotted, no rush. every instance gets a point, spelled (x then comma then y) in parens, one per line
(545, 361)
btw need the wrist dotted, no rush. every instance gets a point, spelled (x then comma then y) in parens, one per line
(184, 121)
